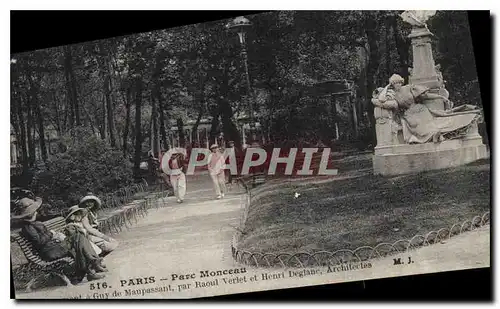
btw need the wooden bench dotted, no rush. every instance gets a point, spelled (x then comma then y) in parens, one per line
(37, 266)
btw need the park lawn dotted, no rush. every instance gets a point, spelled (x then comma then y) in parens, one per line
(363, 211)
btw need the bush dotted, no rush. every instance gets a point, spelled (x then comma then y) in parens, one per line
(88, 164)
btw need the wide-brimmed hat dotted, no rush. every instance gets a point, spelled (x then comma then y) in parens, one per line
(178, 150)
(90, 197)
(26, 207)
(214, 146)
(74, 209)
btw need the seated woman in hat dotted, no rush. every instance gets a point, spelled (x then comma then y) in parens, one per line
(79, 241)
(92, 203)
(50, 246)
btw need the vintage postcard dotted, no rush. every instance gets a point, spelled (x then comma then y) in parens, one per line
(267, 151)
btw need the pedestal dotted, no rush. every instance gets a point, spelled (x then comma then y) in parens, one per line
(387, 130)
(394, 157)
(405, 159)
(383, 126)
(424, 70)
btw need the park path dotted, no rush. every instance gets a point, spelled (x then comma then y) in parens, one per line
(174, 239)
(196, 235)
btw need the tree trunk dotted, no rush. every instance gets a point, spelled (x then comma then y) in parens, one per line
(388, 65)
(103, 127)
(403, 48)
(29, 127)
(162, 121)
(22, 134)
(109, 110)
(160, 128)
(372, 67)
(354, 116)
(160, 131)
(214, 126)
(59, 125)
(270, 109)
(155, 139)
(39, 117)
(127, 122)
(194, 130)
(362, 96)
(180, 131)
(226, 112)
(108, 86)
(89, 121)
(335, 117)
(229, 128)
(69, 92)
(138, 135)
(105, 69)
(72, 84)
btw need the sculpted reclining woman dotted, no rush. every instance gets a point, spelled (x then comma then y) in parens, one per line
(421, 124)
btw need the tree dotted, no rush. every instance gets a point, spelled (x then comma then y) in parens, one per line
(129, 90)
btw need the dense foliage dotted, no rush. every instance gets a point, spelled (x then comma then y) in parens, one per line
(88, 164)
(128, 91)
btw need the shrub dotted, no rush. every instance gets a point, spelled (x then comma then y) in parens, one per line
(87, 164)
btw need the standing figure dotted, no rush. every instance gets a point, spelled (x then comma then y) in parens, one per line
(153, 165)
(216, 170)
(92, 203)
(221, 141)
(177, 164)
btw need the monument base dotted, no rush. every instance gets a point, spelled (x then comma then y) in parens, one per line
(404, 159)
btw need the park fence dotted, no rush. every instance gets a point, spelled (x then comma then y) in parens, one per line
(338, 257)
(122, 208)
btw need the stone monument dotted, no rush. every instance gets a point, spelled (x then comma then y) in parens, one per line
(417, 126)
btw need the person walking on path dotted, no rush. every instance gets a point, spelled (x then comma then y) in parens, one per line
(92, 203)
(177, 165)
(216, 171)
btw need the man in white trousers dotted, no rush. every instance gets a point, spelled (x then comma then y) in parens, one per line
(216, 171)
(177, 177)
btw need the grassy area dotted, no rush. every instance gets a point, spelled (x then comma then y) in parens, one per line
(363, 211)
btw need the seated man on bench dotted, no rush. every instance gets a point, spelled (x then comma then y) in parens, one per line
(52, 246)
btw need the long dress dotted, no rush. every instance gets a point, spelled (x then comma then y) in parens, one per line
(421, 123)
(84, 249)
(75, 245)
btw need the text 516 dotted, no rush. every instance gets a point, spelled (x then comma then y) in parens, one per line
(98, 286)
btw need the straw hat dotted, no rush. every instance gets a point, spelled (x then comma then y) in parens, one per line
(26, 207)
(74, 209)
(90, 197)
(178, 150)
